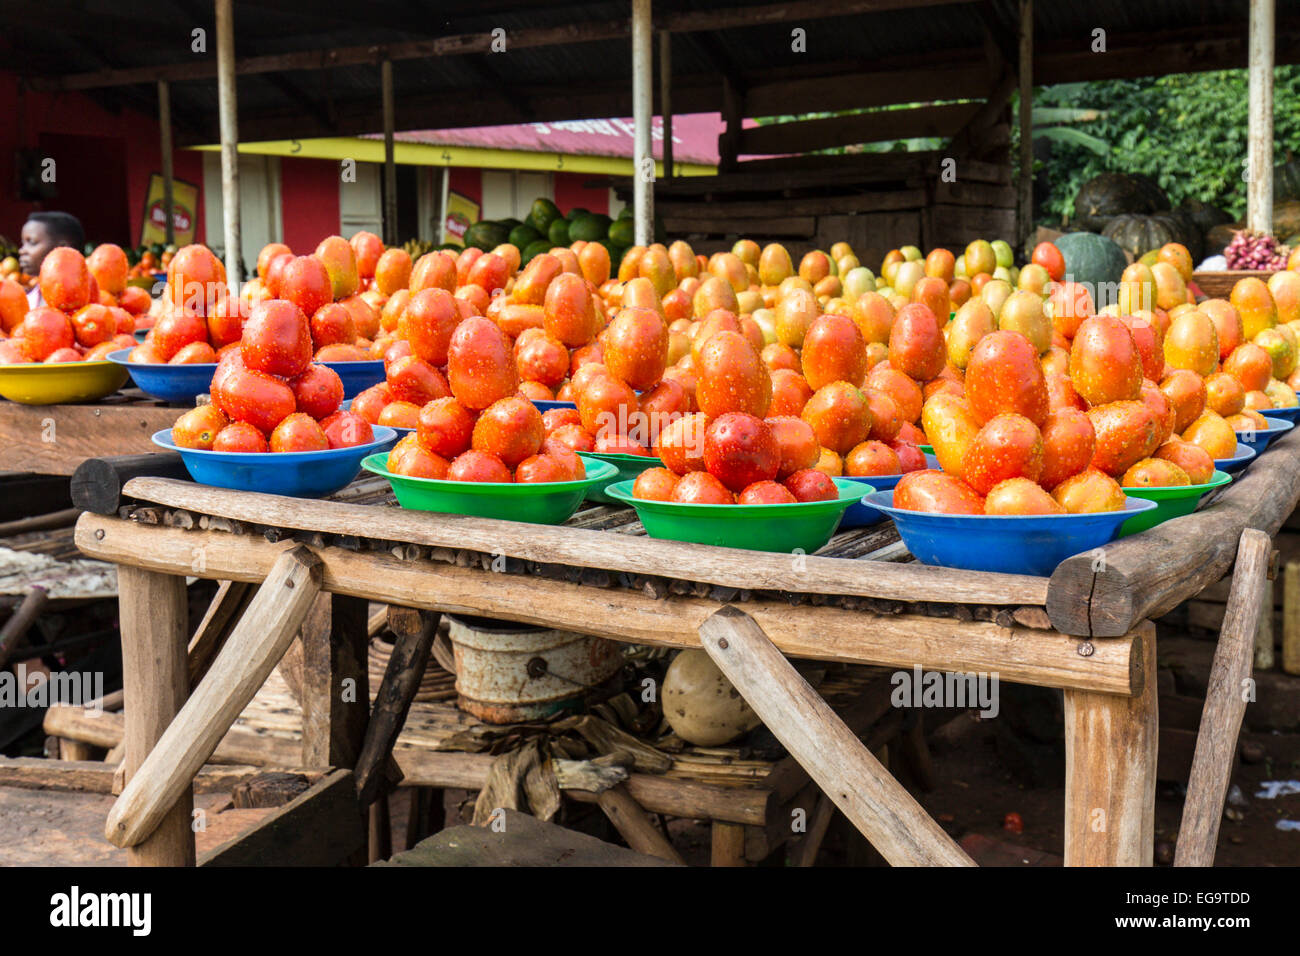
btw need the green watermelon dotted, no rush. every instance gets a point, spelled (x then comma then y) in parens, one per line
(486, 235)
(1091, 259)
(559, 232)
(521, 236)
(576, 212)
(623, 232)
(588, 228)
(534, 249)
(542, 214)
(510, 223)
(627, 212)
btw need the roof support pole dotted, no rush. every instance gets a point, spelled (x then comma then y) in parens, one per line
(1259, 155)
(229, 118)
(666, 98)
(1026, 72)
(643, 192)
(168, 173)
(390, 165)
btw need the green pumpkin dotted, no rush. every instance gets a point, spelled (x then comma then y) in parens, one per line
(486, 235)
(1286, 180)
(1139, 234)
(1091, 259)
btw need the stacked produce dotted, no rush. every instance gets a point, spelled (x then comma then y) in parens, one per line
(89, 310)
(1257, 251)
(268, 395)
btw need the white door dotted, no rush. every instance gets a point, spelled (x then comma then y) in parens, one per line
(259, 204)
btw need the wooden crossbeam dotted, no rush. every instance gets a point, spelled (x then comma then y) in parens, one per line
(1225, 704)
(842, 766)
(239, 670)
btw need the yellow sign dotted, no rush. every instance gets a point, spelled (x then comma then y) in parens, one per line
(462, 212)
(185, 200)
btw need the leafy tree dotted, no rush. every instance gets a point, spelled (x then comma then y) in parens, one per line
(1187, 131)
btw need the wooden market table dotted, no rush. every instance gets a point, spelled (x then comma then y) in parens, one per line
(1087, 630)
(55, 439)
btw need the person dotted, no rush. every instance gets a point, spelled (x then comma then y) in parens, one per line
(43, 232)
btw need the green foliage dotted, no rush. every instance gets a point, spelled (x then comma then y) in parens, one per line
(1187, 131)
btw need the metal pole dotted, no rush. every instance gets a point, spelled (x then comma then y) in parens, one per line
(390, 166)
(1259, 156)
(643, 190)
(666, 98)
(1026, 118)
(229, 138)
(168, 173)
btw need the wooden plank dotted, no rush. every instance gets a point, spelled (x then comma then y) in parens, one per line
(594, 549)
(95, 776)
(846, 771)
(726, 844)
(336, 682)
(865, 88)
(56, 439)
(319, 828)
(1225, 706)
(630, 819)
(1018, 654)
(154, 616)
(799, 227)
(1147, 575)
(236, 675)
(23, 494)
(1291, 619)
(878, 201)
(223, 613)
(962, 193)
(1110, 773)
(804, 136)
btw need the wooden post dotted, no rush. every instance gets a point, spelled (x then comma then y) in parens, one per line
(1026, 118)
(814, 734)
(726, 844)
(336, 686)
(1225, 704)
(165, 133)
(240, 669)
(1291, 618)
(643, 175)
(154, 620)
(1259, 155)
(1263, 641)
(390, 166)
(666, 98)
(631, 821)
(228, 113)
(733, 115)
(1110, 772)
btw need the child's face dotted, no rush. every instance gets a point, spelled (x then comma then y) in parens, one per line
(35, 244)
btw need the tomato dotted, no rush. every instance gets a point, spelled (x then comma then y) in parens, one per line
(367, 247)
(341, 264)
(93, 324)
(511, 429)
(732, 378)
(107, 263)
(65, 280)
(414, 380)
(810, 484)
(636, 347)
(541, 468)
(332, 324)
(248, 395)
(43, 332)
(306, 283)
(476, 465)
(701, 488)
(766, 493)
(318, 391)
(240, 437)
(299, 432)
(196, 353)
(399, 414)
(571, 315)
(195, 279)
(277, 339)
(1049, 257)
(345, 429)
(654, 484)
(430, 319)
(268, 254)
(480, 367)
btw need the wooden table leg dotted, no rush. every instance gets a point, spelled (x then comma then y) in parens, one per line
(727, 846)
(336, 685)
(155, 679)
(1110, 771)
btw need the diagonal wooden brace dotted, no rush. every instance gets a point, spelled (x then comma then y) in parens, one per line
(234, 677)
(1225, 702)
(843, 767)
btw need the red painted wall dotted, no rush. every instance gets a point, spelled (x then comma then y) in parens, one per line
(466, 181)
(309, 201)
(103, 161)
(571, 191)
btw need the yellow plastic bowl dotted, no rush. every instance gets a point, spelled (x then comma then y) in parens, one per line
(36, 383)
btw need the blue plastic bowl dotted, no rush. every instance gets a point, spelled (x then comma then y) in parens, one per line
(544, 406)
(140, 334)
(183, 383)
(1283, 414)
(1260, 439)
(1238, 461)
(861, 515)
(171, 383)
(299, 474)
(1013, 544)
(358, 376)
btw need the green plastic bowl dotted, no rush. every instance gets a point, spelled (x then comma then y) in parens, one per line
(802, 527)
(1172, 501)
(551, 502)
(926, 449)
(629, 468)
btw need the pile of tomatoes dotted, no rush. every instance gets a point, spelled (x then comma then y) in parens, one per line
(89, 309)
